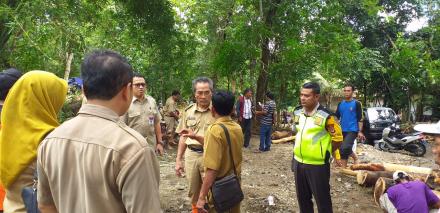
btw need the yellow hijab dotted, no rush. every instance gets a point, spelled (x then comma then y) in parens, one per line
(29, 114)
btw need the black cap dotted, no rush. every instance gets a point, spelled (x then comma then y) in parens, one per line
(8, 78)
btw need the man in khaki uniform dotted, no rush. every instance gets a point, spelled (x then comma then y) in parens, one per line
(171, 115)
(94, 162)
(196, 118)
(217, 160)
(143, 114)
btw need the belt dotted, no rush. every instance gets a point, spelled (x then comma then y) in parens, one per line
(197, 149)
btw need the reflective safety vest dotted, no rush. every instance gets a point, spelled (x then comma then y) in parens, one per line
(312, 142)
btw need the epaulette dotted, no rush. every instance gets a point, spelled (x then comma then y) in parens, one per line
(188, 107)
(297, 108)
(325, 110)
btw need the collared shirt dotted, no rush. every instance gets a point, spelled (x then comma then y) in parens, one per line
(247, 109)
(95, 163)
(196, 119)
(142, 116)
(216, 155)
(170, 106)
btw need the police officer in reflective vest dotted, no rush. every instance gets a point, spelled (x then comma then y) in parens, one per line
(318, 137)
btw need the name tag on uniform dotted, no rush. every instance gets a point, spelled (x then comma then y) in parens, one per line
(151, 120)
(318, 121)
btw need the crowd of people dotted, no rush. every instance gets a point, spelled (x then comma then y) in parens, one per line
(104, 159)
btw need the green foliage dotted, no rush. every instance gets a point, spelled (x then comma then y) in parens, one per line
(238, 41)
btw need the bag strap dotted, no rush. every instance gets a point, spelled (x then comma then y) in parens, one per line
(228, 138)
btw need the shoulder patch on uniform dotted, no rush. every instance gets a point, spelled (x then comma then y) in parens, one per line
(188, 107)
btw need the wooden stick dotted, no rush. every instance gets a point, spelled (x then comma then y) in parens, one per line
(284, 140)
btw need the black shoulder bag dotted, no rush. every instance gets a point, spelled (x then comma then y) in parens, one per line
(227, 192)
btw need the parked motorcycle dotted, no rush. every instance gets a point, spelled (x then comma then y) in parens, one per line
(394, 141)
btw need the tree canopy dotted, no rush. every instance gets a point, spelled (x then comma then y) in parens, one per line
(266, 45)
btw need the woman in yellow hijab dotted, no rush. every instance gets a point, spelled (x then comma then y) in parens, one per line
(29, 114)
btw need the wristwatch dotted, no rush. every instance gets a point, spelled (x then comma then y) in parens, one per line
(160, 142)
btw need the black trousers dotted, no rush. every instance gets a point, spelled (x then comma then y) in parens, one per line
(312, 180)
(347, 145)
(246, 125)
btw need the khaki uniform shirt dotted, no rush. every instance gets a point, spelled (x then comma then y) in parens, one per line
(95, 163)
(196, 119)
(170, 106)
(142, 116)
(216, 154)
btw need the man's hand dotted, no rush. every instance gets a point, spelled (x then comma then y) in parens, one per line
(361, 136)
(159, 148)
(201, 205)
(179, 168)
(338, 163)
(189, 133)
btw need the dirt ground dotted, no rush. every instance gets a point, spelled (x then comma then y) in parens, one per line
(266, 174)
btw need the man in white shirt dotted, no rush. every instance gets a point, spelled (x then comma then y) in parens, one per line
(244, 111)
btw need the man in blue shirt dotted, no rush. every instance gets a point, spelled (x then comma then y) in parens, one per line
(349, 113)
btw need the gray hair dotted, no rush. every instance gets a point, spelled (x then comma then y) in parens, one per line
(203, 80)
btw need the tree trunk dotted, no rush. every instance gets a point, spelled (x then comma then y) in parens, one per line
(265, 52)
(69, 58)
(233, 85)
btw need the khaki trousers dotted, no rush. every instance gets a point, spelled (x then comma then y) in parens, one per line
(13, 202)
(194, 171)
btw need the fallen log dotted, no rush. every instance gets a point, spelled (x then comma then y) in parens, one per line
(348, 172)
(280, 134)
(368, 167)
(369, 178)
(382, 184)
(410, 169)
(284, 140)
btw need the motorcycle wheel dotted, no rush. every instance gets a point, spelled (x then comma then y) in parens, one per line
(382, 146)
(417, 148)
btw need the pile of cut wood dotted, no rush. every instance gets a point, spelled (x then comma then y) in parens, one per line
(379, 176)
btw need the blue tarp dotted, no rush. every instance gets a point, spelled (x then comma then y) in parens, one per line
(75, 82)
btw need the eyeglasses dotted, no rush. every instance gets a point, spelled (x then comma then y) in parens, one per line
(139, 85)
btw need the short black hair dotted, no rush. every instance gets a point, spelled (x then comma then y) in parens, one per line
(223, 102)
(137, 75)
(105, 73)
(8, 78)
(175, 92)
(312, 85)
(349, 85)
(270, 95)
(247, 90)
